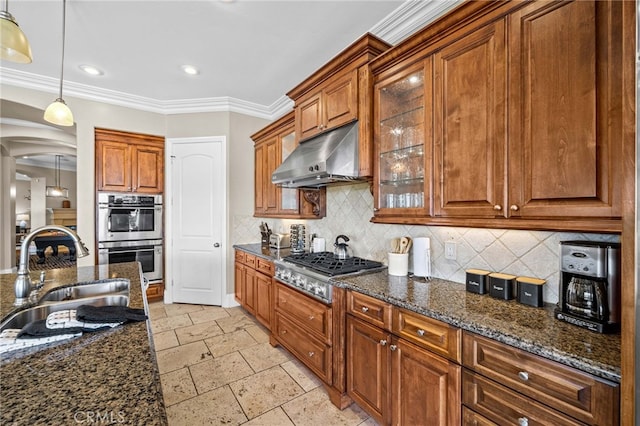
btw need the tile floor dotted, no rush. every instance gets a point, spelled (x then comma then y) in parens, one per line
(217, 367)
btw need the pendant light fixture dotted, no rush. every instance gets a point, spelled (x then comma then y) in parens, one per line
(14, 45)
(57, 190)
(58, 112)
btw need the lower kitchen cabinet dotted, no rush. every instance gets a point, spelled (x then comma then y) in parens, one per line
(395, 381)
(252, 285)
(510, 386)
(304, 326)
(155, 292)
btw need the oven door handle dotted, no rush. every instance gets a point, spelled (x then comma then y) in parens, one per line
(129, 251)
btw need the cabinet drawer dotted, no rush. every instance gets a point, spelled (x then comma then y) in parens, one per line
(372, 310)
(564, 388)
(250, 260)
(471, 418)
(240, 256)
(505, 406)
(309, 350)
(264, 266)
(431, 334)
(306, 312)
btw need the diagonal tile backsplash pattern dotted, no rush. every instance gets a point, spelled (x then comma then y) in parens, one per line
(350, 207)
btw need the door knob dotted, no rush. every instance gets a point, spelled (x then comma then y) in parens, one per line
(216, 244)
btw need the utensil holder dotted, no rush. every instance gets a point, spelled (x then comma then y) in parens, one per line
(398, 264)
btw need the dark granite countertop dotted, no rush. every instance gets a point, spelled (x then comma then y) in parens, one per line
(534, 330)
(270, 254)
(109, 375)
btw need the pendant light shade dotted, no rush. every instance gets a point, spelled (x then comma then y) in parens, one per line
(57, 190)
(58, 112)
(14, 45)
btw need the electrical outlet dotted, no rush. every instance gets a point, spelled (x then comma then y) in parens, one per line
(450, 250)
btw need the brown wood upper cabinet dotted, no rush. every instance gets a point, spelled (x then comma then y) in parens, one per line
(522, 118)
(331, 107)
(338, 93)
(273, 144)
(129, 162)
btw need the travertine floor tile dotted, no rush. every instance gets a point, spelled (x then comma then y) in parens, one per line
(275, 417)
(265, 356)
(169, 323)
(235, 323)
(156, 310)
(259, 333)
(181, 308)
(315, 409)
(221, 371)
(231, 342)
(182, 356)
(177, 386)
(209, 313)
(238, 310)
(217, 407)
(369, 422)
(196, 332)
(302, 375)
(165, 340)
(264, 391)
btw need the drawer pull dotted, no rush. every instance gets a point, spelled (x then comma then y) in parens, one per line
(523, 421)
(283, 332)
(393, 347)
(311, 317)
(523, 375)
(311, 354)
(365, 309)
(383, 342)
(420, 332)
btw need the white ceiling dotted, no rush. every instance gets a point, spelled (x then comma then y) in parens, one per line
(249, 52)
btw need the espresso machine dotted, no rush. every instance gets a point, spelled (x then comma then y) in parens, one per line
(590, 285)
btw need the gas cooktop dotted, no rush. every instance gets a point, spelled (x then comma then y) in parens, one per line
(326, 263)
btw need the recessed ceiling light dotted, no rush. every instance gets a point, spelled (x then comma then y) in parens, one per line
(190, 69)
(90, 69)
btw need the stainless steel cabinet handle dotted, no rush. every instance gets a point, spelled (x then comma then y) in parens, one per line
(383, 342)
(393, 347)
(216, 244)
(420, 332)
(311, 354)
(523, 375)
(497, 207)
(514, 208)
(523, 421)
(311, 317)
(365, 309)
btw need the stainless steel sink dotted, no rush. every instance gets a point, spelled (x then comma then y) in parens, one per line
(40, 312)
(89, 289)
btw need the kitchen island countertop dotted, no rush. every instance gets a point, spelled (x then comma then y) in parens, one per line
(102, 377)
(534, 330)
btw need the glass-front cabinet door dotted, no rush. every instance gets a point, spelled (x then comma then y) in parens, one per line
(289, 197)
(403, 122)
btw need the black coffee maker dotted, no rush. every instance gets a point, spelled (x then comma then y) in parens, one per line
(590, 285)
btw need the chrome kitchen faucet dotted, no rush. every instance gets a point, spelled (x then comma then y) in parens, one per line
(23, 284)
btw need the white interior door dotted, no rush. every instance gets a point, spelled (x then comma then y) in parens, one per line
(198, 206)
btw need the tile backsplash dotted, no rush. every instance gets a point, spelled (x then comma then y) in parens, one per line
(350, 207)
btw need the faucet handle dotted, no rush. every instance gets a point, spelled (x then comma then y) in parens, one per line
(42, 279)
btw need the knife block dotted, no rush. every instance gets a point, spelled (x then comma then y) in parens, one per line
(264, 241)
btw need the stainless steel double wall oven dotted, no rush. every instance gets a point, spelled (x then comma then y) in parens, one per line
(130, 229)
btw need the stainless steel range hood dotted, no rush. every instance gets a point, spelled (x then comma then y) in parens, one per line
(329, 157)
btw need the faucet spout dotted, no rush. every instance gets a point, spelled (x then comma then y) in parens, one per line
(23, 284)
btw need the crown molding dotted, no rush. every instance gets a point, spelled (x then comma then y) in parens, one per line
(411, 16)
